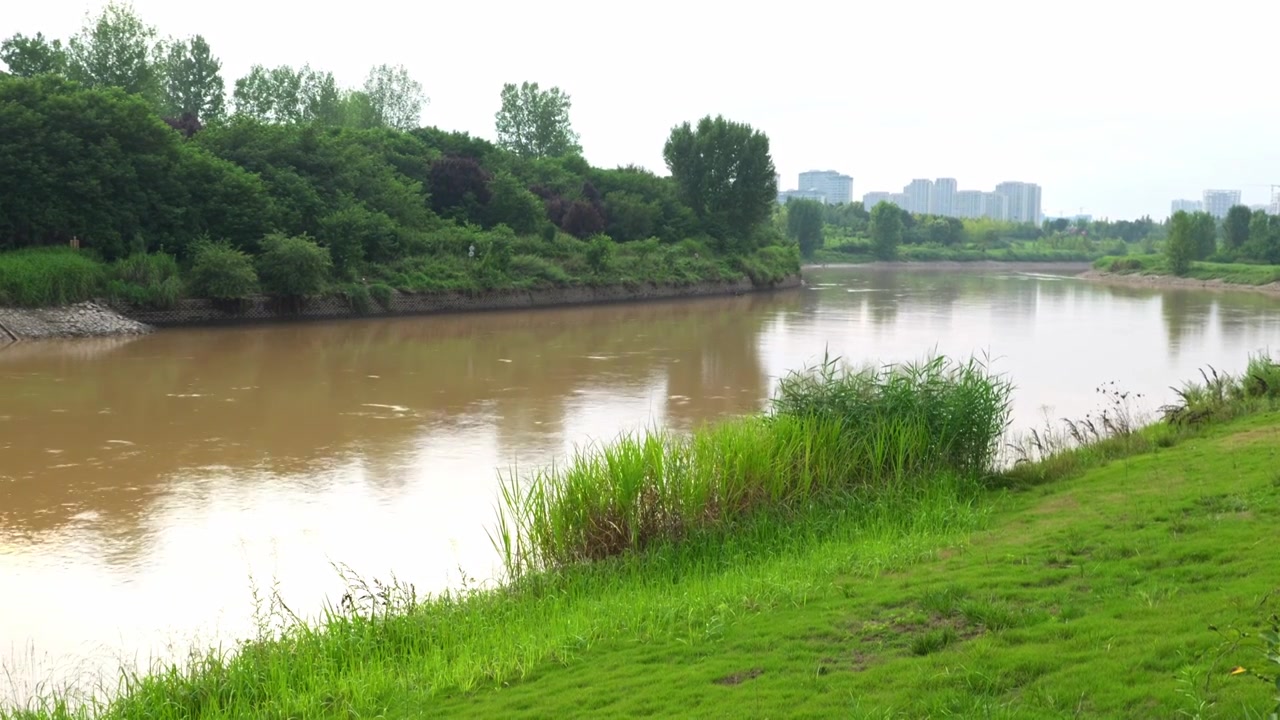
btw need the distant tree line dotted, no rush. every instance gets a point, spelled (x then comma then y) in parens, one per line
(130, 145)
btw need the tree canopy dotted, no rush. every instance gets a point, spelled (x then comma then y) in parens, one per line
(534, 123)
(724, 172)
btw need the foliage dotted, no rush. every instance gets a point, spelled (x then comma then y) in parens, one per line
(600, 253)
(1264, 239)
(31, 56)
(583, 219)
(39, 277)
(723, 171)
(116, 50)
(1181, 247)
(146, 280)
(511, 204)
(293, 267)
(1236, 227)
(222, 272)
(459, 187)
(1204, 235)
(534, 123)
(192, 81)
(886, 230)
(804, 224)
(395, 99)
(382, 294)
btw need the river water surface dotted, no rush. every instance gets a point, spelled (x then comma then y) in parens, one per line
(148, 485)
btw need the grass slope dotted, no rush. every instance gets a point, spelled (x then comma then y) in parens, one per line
(1233, 273)
(1091, 597)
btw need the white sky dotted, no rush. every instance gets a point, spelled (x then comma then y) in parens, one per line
(1115, 107)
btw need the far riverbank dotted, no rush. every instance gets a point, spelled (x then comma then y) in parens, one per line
(1174, 282)
(105, 319)
(1024, 266)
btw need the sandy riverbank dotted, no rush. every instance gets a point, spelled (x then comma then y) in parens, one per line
(1157, 282)
(1065, 268)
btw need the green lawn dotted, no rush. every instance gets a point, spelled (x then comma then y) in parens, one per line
(1233, 273)
(1091, 597)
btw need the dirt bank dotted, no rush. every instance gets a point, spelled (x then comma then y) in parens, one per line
(1168, 281)
(82, 320)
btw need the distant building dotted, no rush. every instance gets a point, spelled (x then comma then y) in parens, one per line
(835, 187)
(919, 196)
(1190, 206)
(968, 204)
(899, 199)
(943, 200)
(995, 206)
(1022, 201)
(872, 199)
(1260, 208)
(1218, 202)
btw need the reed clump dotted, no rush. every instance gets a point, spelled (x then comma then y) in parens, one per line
(832, 431)
(45, 277)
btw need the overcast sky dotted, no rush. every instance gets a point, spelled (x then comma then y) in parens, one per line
(1115, 107)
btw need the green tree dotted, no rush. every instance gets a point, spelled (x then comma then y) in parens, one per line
(270, 94)
(192, 81)
(293, 267)
(723, 171)
(804, 224)
(1204, 235)
(511, 204)
(1180, 247)
(1236, 227)
(1264, 238)
(886, 230)
(116, 49)
(534, 123)
(31, 56)
(395, 99)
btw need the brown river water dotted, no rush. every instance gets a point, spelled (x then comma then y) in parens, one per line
(149, 485)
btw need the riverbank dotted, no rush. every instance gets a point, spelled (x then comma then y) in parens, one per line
(1070, 267)
(1153, 271)
(105, 318)
(1082, 584)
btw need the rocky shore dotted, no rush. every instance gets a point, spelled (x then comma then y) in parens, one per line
(86, 319)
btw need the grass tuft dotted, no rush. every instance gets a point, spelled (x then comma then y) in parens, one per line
(46, 277)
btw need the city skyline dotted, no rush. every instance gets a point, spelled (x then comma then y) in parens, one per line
(1010, 200)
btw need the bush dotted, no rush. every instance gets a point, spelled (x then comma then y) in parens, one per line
(221, 272)
(357, 296)
(146, 280)
(293, 267)
(381, 294)
(44, 277)
(600, 253)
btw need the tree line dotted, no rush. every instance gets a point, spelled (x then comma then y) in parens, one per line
(1244, 235)
(127, 145)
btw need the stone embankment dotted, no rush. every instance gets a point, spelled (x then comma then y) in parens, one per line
(94, 320)
(86, 319)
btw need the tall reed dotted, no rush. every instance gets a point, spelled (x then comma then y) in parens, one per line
(42, 277)
(831, 430)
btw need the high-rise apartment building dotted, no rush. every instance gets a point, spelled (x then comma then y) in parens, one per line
(873, 199)
(900, 199)
(1190, 206)
(1218, 202)
(919, 193)
(968, 204)
(943, 200)
(995, 205)
(1023, 201)
(837, 188)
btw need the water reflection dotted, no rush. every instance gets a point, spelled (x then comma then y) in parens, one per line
(143, 481)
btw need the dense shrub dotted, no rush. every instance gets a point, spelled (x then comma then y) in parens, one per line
(537, 271)
(221, 272)
(381, 294)
(459, 187)
(511, 204)
(293, 267)
(146, 280)
(600, 253)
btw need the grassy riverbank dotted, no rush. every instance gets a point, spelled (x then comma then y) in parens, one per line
(1019, 252)
(906, 580)
(1158, 265)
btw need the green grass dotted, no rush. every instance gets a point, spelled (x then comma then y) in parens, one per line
(1232, 273)
(1114, 585)
(1019, 252)
(832, 430)
(48, 276)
